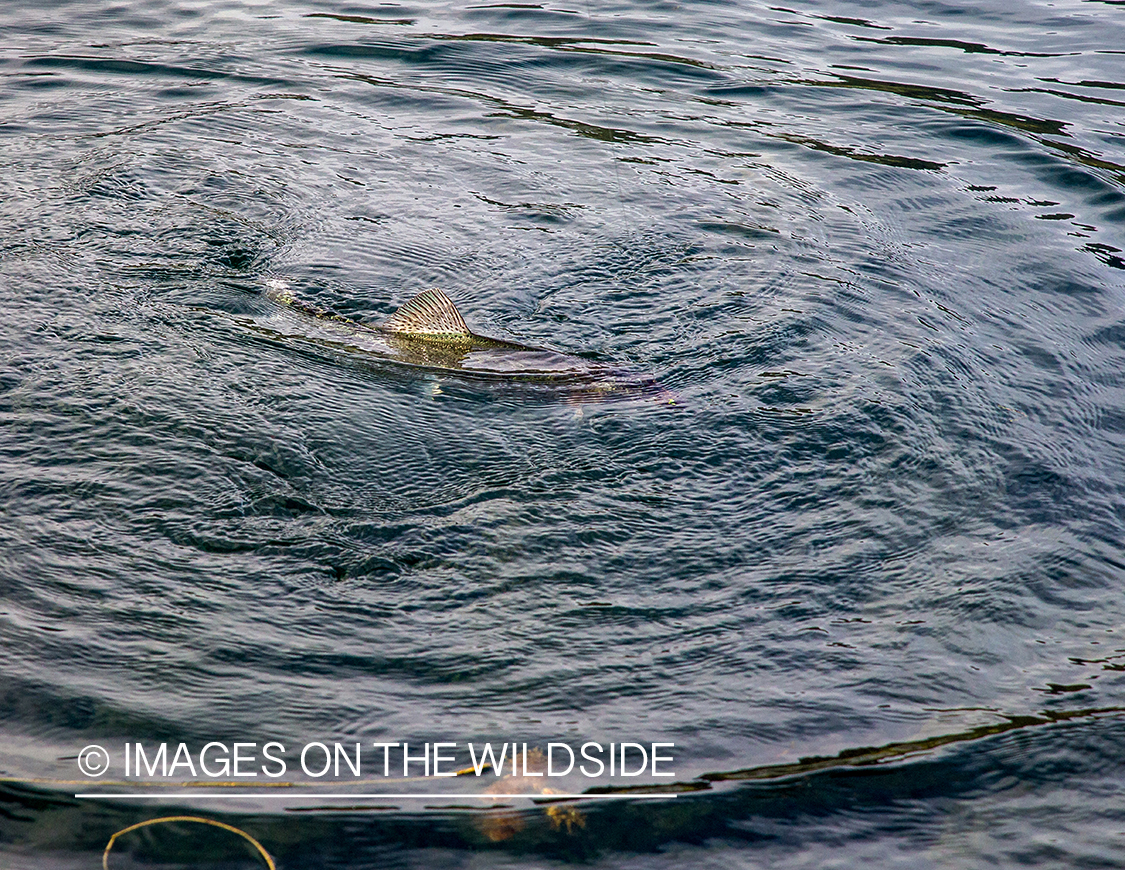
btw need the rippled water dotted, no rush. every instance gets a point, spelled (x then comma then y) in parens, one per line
(864, 569)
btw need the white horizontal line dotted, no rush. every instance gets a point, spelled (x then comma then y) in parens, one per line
(306, 796)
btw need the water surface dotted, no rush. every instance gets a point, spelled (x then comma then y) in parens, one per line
(865, 572)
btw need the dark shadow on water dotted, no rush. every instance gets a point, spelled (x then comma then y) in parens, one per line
(867, 791)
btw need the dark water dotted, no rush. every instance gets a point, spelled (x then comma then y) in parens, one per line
(866, 572)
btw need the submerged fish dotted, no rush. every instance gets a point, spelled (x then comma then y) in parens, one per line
(428, 332)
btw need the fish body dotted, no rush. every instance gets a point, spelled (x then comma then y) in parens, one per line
(428, 332)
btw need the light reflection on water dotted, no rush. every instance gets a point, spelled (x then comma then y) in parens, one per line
(876, 259)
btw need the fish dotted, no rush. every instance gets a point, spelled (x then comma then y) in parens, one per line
(429, 333)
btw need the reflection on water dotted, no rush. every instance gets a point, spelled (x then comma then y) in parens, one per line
(864, 572)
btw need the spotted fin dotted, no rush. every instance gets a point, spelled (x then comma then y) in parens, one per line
(431, 313)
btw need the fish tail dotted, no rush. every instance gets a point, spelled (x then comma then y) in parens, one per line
(278, 291)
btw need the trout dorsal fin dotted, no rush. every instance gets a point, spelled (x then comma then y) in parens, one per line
(431, 313)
